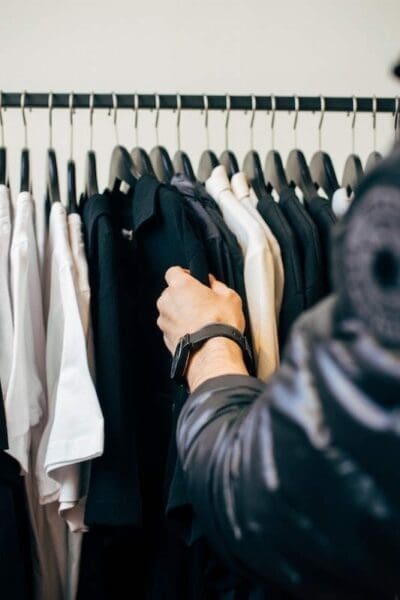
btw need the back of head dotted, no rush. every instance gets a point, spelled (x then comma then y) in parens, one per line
(367, 254)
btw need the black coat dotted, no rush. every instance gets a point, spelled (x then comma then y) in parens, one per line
(302, 491)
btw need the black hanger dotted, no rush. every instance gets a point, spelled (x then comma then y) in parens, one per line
(52, 184)
(274, 172)
(140, 158)
(25, 171)
(3, 151)
(72, 204)
(141, 162)
(228, 158)
(208, 162)
(160, 159)
(353, 171)
(91, 185)
(162, 164)
(25, 181)
(254, 174)
(299, 174)
(208, 159)
(121, 169)
(182, 163)
(321, 165)
(323, 173)
(297, 170)
(375, 157)
(121, 166)
(3, 165)
(373, 160)
(252, 167)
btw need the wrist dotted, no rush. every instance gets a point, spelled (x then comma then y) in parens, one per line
(217, 356)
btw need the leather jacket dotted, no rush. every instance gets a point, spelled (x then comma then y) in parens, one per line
(296, 482)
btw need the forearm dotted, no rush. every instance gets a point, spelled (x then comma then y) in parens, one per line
(218, 356)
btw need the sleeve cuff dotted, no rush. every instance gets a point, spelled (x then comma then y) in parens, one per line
(229, 381)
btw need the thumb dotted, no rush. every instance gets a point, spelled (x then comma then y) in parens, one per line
(218, 287)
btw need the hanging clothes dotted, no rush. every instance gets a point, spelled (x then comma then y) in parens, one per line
(25, 401)
(73, 433)
(309, 245)
(242, 192)
(223, 253)
(6, 319)
(324, 218)
(258, 272)
(293, 291)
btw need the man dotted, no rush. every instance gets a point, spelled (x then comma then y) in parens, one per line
(295, 481)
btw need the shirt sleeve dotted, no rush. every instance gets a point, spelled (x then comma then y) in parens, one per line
(274, 495)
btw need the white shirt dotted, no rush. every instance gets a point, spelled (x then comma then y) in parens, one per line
(6, 323)
(242, 192)
(73, 510)
(340, 202)
(74, 432)
(25, 400)
(258, 272)
(81, 280)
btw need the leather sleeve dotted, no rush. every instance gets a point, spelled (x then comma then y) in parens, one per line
(277, 477)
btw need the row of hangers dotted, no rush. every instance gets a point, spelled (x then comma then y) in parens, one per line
(129, 167)
(320, 174)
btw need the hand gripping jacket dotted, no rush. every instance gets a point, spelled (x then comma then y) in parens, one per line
(296, 481)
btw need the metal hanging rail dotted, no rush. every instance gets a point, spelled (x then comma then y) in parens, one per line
(196, 102)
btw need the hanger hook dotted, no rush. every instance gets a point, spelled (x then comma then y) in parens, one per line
(71, 123)
(205, 105)
(374, 111)
(115, 111)
(136, 122)
(50, 103)
(91, 112)
(228, 114)
(321, 120)
(272, 124)
(353, 124)
(396, 117)
(178, 119)
(296, 117)
(1, 118)
(23, 101)
(253, 114)
(157, 103)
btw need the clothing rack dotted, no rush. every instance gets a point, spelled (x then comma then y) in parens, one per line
(197, 102)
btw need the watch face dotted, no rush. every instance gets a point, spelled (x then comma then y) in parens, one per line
(180, 358)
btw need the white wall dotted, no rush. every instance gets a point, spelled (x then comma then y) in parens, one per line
(330, 47)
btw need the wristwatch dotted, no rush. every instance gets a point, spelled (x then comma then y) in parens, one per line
(193, 341)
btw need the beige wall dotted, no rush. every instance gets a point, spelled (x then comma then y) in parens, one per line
(331, 47)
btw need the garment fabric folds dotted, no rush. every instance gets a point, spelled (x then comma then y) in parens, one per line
(132, 239)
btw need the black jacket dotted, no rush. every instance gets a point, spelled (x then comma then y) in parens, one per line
(309, 245)
(302, 490)
(293, 291)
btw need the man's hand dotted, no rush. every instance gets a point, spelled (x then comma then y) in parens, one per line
(185, 306)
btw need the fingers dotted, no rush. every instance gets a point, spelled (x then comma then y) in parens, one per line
(176, 275)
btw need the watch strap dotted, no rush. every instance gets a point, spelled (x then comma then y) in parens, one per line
(198, 338)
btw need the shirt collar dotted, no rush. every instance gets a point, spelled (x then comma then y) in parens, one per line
(144, 200)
